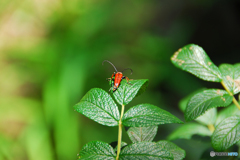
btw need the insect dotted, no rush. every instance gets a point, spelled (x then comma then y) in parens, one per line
(117, 77)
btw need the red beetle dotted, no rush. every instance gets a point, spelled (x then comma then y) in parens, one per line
(117, 77)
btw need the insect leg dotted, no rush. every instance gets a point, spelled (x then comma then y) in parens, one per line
(113, 75)
(126, 79)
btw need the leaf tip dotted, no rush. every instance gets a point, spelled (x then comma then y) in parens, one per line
(187, 118)
(75, 107)
(180, 122)
(174, 57)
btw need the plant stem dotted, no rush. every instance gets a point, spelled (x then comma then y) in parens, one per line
(236, 103)
(234, 100)
(120, 133)
(211, 127)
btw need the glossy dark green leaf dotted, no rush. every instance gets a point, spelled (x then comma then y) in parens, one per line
(226, 133)
(203, 101)
(186, 131)
(97, 150)
(140, 134)
(194, 59)
(231, 76)
(227, 112)
(144, 115)
(145, 150)
(126, 92)
(98, 105)
(177, 152)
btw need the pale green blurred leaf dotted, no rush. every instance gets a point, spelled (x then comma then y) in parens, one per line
(209, 117)
(186, 131)
(227, 112)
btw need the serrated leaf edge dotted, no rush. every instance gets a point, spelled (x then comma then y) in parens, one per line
(214, 106)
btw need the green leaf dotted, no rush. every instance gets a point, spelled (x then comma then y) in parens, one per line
(186, 131)
(209, 117)
(144, 115)
(145, 150)
(97, 150)
(183, 102)
(205, 100)
(126, 92)
(99, 106)
(139, 134)
(194, 59)
(226, 133)
(231, 77)
(227, 112)
(177, 152)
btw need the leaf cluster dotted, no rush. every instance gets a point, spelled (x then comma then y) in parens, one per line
(223, 127)
(143, 120)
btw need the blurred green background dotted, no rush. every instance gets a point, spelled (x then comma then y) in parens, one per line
(51, 54)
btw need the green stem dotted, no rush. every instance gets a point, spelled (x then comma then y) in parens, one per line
(120, 133)
(234, 100)
(236, 103)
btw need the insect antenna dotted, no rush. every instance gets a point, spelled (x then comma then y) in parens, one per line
(127, 69)
(111, 64)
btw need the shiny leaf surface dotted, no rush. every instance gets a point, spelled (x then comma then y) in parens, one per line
(226, 134)
(209, 117)
(176, 151)
(126, 92)
(203, 101)
(183, 102)
(147, 115)
(99, 106)
(194, 59)
(145, 150)
(97, 150)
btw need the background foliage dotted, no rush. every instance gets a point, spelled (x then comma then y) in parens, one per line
(51, 54)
